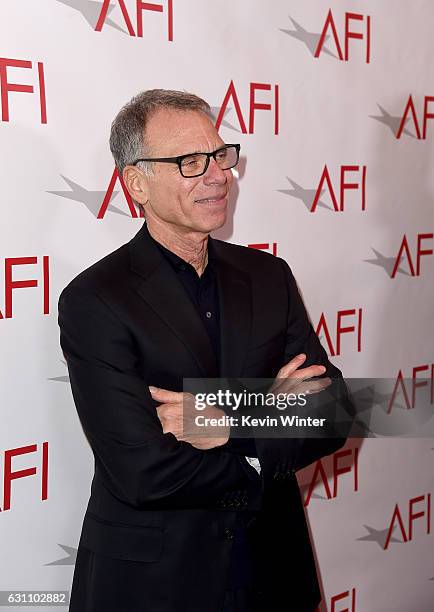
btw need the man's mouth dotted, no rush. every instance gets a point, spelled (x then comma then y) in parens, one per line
(213, 199)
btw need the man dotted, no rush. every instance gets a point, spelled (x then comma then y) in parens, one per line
(178, 522)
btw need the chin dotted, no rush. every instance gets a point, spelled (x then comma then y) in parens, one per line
(212, 224)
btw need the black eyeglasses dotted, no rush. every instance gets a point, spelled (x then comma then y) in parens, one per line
(196, 164)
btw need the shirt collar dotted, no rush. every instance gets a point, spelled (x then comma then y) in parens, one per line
(180, 264)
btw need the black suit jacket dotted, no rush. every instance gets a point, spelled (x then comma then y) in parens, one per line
(157, 533)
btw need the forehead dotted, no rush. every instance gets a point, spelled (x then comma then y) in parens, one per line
(171, 132)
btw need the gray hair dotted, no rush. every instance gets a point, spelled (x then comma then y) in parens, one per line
(127, 135)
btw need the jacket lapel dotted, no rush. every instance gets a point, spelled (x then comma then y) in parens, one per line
(159, 286)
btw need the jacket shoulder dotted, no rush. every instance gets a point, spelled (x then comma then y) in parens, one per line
(102, 274)
(248, 258)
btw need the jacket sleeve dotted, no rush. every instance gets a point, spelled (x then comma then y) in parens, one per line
(139, 464)
(292, 454)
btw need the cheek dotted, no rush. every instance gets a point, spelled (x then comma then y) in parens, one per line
(229, 178)
(188, 190)
(167, 191)
(160, 196)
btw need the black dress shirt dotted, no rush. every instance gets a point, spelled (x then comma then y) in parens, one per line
(203, 292)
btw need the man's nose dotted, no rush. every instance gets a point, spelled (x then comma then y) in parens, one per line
(214, 174)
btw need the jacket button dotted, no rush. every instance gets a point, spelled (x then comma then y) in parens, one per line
(251, 522)
(228, 533)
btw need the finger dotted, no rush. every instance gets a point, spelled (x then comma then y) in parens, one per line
(292, 365)
(289, 368)
(309, 372)
(170, 422)
(165, 395)
(173, 429)
(281, 384)
(313, 386)
(169, 411)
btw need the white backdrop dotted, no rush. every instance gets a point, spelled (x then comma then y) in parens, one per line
(303, 106)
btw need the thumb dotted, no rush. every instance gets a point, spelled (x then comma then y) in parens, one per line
(165, 395)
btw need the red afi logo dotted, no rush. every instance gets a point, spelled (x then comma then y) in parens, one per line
(254, 105)
(348, 34)
(7, 87)
(412, 516)
(10, 475)
(354, 328)
(343, 187)
(410, 113)
(405, 251)
(342, 462)
(140, 7)
(11, 284)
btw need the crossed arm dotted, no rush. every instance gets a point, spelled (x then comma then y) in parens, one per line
(139, 463)
(142, 462)
(303, 348)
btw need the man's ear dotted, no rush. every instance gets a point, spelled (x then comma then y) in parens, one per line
(137, 184)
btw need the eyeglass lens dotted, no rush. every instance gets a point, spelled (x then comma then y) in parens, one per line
(194, 165)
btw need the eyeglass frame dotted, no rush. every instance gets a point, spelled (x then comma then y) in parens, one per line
(178, 160)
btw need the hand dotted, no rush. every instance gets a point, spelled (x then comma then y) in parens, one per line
(291, 379)
(177, 414)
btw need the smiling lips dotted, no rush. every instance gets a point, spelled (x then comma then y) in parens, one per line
(212, 200)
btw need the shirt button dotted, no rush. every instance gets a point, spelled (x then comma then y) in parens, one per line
(228, 534)
(208, 314)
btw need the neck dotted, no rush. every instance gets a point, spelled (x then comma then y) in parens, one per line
(191, 246)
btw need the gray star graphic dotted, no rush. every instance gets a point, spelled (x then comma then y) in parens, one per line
(60, 378)
(317, 496)
(304, 489)
(373, 409)
(349, 420)
(365, 397)
(69, 560)
(215, 110)
(307, 196)
(310, 39)
(378, 535)
(362, 401)
(376, 398)
(391, 121)
(90, 9)
(321, 338)
(91, 199)
(383, 400)
(387, 263)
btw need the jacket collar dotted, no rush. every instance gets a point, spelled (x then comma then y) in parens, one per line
(159, 286)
